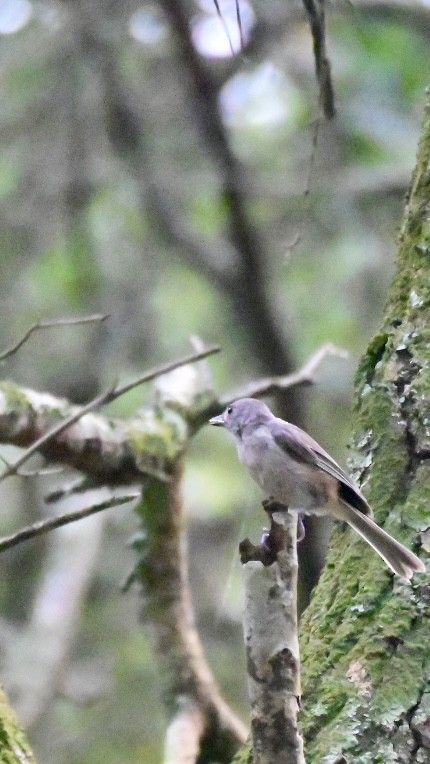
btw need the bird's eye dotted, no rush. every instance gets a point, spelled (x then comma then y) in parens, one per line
(230, 410)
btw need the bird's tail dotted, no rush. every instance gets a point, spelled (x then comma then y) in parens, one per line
(401, 560)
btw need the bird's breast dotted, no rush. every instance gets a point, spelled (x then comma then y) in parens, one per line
(289, 481)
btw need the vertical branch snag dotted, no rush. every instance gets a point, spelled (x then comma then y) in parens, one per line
(271, 640)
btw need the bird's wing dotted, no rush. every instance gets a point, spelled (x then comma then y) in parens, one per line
(300, 446)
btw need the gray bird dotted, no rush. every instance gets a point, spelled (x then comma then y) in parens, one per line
(295, 471)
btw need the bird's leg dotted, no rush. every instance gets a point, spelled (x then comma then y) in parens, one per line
(301, 528)
(272, 541)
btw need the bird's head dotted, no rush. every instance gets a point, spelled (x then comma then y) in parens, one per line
(240, 414)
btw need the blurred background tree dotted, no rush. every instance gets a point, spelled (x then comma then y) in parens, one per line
(148, 172)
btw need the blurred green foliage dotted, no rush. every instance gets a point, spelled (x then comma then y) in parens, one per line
(78, 235)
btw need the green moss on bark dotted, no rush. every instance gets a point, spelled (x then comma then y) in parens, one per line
(244, 755)
(14, 748)
(365, 634)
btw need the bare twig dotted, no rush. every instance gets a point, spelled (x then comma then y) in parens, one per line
(315, 11)
(165, 369)
(239, 25)
(43, 526)
(315, 134)
(224, 24)
(307, 190)
(35, 473)
(55, 470)
(303, 376)
(49, 324)
(107, 397)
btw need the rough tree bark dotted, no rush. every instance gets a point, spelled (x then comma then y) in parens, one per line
(366, 662)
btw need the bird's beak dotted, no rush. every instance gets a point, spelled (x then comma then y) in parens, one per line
(218, 421)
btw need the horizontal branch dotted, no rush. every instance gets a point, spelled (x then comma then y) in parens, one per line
(113, 451)
(42, 442)
(53, 433)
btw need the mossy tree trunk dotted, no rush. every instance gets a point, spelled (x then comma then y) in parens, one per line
(14, 748)
(366, 635)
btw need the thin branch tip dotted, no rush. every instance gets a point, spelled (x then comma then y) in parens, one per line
(303, 376)
(44, 526)
(49, 324)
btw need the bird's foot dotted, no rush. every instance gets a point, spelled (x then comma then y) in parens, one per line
(270, 506)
